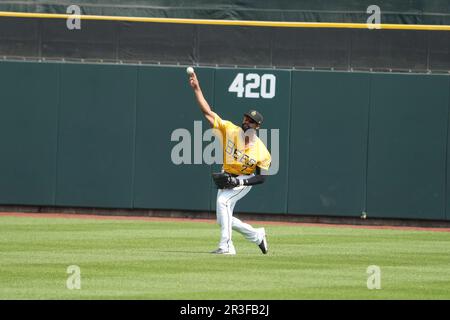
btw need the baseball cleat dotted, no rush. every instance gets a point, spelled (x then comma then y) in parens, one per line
(223, 251)
(263, 245)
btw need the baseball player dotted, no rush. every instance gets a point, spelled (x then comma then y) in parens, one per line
(245, 163)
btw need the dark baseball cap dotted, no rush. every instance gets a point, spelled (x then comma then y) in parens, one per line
(255, 116)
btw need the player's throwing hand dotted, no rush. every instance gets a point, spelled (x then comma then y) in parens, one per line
(193, 81)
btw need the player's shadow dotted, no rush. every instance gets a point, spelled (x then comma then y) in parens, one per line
(173, 251)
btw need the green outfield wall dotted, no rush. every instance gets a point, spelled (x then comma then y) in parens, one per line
(103, 135)
(328, 145)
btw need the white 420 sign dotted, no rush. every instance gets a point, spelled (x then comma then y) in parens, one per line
(252, 85)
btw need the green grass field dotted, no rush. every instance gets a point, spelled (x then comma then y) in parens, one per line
(132, 259)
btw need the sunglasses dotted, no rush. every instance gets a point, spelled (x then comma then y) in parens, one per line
(250, 119)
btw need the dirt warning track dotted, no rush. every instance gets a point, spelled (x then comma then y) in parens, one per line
(211, 221)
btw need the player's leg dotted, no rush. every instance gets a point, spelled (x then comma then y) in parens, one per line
(224, 221)
(226, 199)
(257, 236)
(250, 233)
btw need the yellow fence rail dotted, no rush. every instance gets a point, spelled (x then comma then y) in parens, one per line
(279, 24)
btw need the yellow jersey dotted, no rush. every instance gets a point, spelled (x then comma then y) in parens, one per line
(238, 158)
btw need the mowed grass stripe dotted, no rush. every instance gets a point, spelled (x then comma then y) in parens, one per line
(135, 259)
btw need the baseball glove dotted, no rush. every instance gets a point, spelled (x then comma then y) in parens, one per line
(224, 180)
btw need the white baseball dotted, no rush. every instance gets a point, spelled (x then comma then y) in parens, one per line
(190, 70)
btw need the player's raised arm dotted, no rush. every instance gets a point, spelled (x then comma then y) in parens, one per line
(203, 104)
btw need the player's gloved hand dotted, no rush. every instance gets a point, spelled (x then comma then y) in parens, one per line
(224, 180)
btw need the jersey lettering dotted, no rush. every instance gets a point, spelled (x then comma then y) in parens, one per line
(240, 156)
